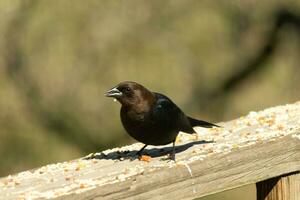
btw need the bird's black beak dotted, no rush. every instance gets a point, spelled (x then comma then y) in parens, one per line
(114, 92)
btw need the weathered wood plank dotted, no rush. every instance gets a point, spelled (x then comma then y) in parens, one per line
(286, 187)
(218, 174)
(247, 150)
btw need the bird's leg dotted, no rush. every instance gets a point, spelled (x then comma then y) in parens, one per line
(139, 153)
(172, 154)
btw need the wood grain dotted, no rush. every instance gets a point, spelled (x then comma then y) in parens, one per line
(286, 187)
(251, 149)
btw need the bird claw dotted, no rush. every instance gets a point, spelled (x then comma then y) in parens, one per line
(138, 155)
(132, 158)
(170, 158)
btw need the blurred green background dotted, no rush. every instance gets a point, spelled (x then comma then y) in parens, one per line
(216, 59)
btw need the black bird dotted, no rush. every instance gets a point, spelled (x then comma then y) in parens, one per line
(150, 117)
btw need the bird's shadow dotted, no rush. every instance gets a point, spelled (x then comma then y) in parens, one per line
(153, 152)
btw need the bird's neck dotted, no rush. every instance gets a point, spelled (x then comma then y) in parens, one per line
(143, 105)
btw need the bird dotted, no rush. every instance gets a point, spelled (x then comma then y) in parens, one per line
(151, 117)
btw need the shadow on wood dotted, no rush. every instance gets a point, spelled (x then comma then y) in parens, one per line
(153, 152)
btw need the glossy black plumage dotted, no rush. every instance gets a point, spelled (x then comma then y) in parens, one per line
(152, 118)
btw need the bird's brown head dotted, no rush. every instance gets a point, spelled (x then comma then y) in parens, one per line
(130, 93)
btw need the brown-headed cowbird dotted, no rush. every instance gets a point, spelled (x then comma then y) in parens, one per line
(150, 117)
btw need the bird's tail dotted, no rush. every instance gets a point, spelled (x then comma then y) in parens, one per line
(197, 122)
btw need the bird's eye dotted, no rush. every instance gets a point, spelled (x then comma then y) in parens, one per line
(127, 89)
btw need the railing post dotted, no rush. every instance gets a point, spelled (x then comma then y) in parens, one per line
(286, 187)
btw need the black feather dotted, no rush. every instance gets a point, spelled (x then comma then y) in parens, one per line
(197, 122)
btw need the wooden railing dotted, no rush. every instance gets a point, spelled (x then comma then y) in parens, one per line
(262, 147)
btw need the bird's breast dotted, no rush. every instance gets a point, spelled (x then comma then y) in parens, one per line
(133, 121)
(144, 128)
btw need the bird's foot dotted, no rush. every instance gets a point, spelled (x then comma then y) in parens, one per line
(138, 156)
(170, 158)
(134, 157)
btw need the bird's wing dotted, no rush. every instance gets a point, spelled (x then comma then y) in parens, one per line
(164, 109)
(171, 115)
